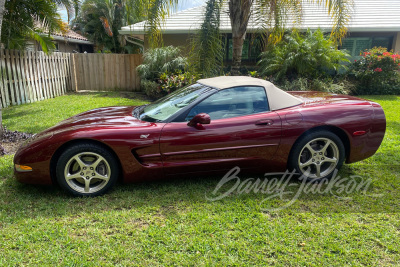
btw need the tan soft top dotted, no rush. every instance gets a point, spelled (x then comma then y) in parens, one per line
(277, 98)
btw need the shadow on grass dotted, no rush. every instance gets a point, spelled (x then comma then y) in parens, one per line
(124, 94)
(169, 196)
(17, 113)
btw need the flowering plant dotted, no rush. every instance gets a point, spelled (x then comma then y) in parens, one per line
(171, 82)
(167, 83)
(377, 71)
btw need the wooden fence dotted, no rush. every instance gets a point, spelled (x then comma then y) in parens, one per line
(106, 72)
(27, 76)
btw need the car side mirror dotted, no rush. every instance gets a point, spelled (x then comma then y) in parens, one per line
(198, 121)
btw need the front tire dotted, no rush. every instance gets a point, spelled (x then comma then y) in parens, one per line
(317, 155)
(87, 170)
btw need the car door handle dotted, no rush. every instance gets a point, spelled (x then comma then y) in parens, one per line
(265, 122)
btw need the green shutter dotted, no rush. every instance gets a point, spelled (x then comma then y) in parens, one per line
(230, 47)
(348, 44)
(362, 45)
(357, 45)
(383, 42)
(245, 51)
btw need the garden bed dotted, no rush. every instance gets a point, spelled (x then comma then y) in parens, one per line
(11, 141)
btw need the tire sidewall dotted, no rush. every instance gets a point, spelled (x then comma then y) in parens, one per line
(299, 145)
(80, 148)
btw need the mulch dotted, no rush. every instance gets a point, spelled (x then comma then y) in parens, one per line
(11, 141)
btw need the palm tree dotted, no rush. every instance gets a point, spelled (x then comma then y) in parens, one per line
(72, 7)
(272, 14)
(241, 10)
(24, 20)
(97, 20)
(100, 20)
(206, 55)
(2, 3)
(2, 9)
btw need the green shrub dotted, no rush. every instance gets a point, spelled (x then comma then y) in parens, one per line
(151, 88)
(159, 60)
(299, 84)
(310, 55)
(377, 72)
(172, 82)
(322, 85)
(162, 71)
(167, 83)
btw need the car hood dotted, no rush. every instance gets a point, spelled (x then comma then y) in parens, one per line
(108, 117)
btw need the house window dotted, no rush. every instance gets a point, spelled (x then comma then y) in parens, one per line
(245, 51)
(251, 48)
(57, 46)
(356, 45)
(30, 46)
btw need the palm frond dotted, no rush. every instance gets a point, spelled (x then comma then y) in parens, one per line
(158, 10)
(275, 15)
(207, 50)
(160, 60)
(29, 20)
(45, 41)
(306, 55)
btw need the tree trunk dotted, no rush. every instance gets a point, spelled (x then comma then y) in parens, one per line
(2, 3)
(239, 13)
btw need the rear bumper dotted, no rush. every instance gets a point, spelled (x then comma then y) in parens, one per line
(365, 146)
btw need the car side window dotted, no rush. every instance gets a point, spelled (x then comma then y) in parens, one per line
(232, 102)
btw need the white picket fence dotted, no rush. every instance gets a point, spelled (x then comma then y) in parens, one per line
(27, 76)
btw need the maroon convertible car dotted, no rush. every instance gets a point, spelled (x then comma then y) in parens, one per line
(208, 127)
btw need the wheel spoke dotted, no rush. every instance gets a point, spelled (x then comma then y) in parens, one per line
(73, 176)
(96, 163)
(310, 148)
(327, 144)
(318, 167)
(79, 161)
(305, 164)
(332, 160)
(102, 177)
(87, 185)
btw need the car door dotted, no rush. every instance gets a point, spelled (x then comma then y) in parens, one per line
(243, 132)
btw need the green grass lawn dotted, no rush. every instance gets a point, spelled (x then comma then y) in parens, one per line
(172, 222)
(36, 117)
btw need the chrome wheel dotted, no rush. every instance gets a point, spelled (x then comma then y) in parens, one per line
(87, 172)
(318, 158)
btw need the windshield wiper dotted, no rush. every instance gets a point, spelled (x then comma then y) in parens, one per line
(136, 111)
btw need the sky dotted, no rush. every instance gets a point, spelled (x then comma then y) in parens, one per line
(189, 4)
(185, 4)
(63, 13)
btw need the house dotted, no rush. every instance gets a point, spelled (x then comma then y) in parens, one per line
(72, 42)
(373, 23)
(69, 42)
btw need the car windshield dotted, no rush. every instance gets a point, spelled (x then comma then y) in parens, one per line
(169, 105)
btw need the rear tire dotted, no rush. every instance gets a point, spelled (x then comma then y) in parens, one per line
(317, 155)
(87, 170)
